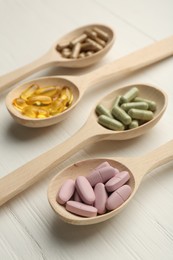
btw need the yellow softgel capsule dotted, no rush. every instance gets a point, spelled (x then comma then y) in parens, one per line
(66, 95)
(39, 100)
(29, 92)
(56, 107)
(19, 103)
(42, 113)
(30, 111)
(57, 94)
(47, 91)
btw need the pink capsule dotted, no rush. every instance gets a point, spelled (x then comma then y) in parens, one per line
(102, 175)
(66, 191)
(102, 165)
(101, 198)
(116, 182)
(81, 209)
(85, 190)
(118, 197)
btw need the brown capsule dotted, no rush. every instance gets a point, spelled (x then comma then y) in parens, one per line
(66, 53)
(97, 46)
(87, 47)
(101, 34)
(82, 55)
(62, 45)
(76, 50)
(78, 39)
(91, 34)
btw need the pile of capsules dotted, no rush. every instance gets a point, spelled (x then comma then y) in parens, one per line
(128, 111)
(38, 102)
(89, 42)
(105, 189)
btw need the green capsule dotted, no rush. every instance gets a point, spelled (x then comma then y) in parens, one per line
(121, 115)
(140, 114)
(134, 124)
(110, 123)
(117, 101)
(151, 104)
(101, 110)
(139, 105)
(130, 95)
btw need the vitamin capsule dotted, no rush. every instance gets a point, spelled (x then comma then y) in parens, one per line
(78, 39)
(100, 41)
(91, 34)
(29, 92)
(87, 47)
(130, 95)
(29, 111)
(66, 95)
(62, 46)
(19, 103)
(56, 107)
(138, 105)
(66, 191)
(101, 110)
(134, 124)
(141, 114)
(151, 104)
(76, 50)
(110, 123)
(57, 94)
(81, 209)
(85, 190)
(118, 197)
(48, 91)
(42, 113)
(89, 53)
(101, 34)
(97, 47)
(116, 182)
(39, 100)
(66, 53)
(117, 101)
(101, 175)
(100, 198)
(102, 165)
(121, 115)
(82, 55)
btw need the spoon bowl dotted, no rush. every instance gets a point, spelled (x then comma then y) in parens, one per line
(86, 61)
(91, 132)
(78, 85)
(54, 58)
(137, 168)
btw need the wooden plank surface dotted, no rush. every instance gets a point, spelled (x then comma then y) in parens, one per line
(29, 229)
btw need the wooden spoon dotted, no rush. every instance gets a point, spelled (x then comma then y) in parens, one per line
(54, 58)
(137, 168)
(79, 84)
(91, 132)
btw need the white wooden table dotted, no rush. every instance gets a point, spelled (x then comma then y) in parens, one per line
(29, 229)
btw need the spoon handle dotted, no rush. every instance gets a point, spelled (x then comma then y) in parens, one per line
(13, 77)
(28, 174)
(156, 158)
(132, 62)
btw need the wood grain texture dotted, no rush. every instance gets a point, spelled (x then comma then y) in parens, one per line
(29, 227)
